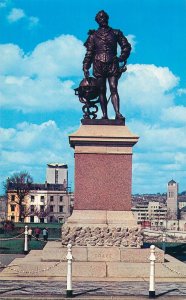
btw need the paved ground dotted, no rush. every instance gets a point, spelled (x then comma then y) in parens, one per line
(6, 259)
(36, 289)
(89, 290)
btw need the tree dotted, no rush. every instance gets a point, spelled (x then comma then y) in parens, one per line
(21, 183)
(41, 213)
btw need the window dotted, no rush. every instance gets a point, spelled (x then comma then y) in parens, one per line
(41, 220)
(61, 198)
(56, 176)
(32, 198)
(51, 218)
(12, 218)
(32, 219)
(41, 207)
(42, 198)
(51, 198)
(12, 197)
(23, 208)
(12, 207)
(51, 208)
(32, 208)
(61, 208)
(61, 220)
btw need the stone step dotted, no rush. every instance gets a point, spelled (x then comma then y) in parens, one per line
(53, 252)
(112, 270)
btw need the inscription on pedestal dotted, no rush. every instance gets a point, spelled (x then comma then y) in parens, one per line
(103, 254)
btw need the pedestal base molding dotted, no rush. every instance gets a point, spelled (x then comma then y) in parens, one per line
(102, 229)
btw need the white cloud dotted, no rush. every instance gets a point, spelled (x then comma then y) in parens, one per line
(181, 92)
(30, 144)
(158, 156)
(33, 21)
(43, 94)
(175, 115)
(16, 14)
(57, 57)
(156, 138)
(12, 60)
(145, 90)
(38, 84)
(151, 76)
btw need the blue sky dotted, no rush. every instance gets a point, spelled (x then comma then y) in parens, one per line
(41, 50)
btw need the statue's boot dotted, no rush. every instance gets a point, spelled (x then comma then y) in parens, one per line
(105, 116)
(119, 116)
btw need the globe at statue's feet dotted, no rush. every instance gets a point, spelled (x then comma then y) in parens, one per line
(119, 116)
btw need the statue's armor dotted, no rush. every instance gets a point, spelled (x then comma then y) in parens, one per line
(102, 50)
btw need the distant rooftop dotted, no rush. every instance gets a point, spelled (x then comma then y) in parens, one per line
(40, 186)
(171, 181)
(57, 165)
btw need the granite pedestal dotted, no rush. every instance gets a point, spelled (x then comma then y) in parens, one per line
(102, 214)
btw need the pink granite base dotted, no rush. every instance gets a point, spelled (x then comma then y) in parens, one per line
(103, 181)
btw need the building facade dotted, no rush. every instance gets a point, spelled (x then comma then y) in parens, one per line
(43, 204)
(172, 199)
(150, 214)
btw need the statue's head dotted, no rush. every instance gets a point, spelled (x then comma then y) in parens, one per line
(102, 18)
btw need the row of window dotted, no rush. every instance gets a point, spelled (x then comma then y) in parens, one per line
(51, 219)
(42, 208)
(152, 214)
(42, 198)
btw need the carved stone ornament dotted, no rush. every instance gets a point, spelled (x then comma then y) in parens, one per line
(102, 236)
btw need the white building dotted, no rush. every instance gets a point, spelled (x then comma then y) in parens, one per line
(57, 173)
(50, 204)
(150, 214)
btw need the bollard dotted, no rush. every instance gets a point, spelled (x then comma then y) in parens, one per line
(69, 292)
(152, 272)
(26, 240)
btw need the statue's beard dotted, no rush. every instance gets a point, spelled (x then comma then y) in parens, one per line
(103, 24)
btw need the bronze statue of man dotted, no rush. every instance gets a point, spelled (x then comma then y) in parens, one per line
(101, 51)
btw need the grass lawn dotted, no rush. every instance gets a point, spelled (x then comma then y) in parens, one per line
(17, 246)
(9, 244)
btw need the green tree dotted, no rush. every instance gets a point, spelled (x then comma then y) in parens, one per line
(21, 183)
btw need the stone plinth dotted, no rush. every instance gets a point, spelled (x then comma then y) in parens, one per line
(102, 214)
(102, 218)
(103, 167)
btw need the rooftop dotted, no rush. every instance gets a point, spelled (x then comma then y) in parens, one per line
(57, 165)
